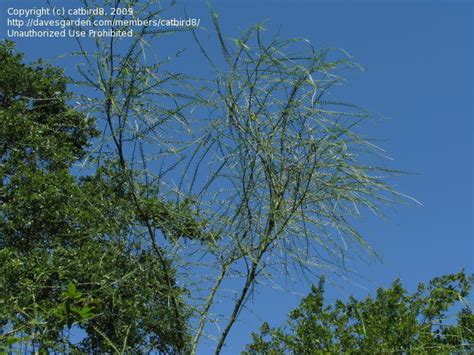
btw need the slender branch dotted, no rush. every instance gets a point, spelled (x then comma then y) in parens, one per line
(238, 305)
(207, 306)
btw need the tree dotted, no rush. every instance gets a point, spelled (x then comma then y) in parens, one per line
(64, 260)
(393, 321)
(295, 168)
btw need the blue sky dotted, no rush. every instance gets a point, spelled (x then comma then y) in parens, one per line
(419, 76)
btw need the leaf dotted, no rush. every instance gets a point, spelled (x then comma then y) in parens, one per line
(71, 288)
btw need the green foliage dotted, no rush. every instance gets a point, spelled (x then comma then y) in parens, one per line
(99, 288)
(176, 220)
(110, 186)
(37, 125)
(72, 255)
(393, 321)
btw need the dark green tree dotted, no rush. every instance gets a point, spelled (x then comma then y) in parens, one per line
(393, 321)
(68, 257)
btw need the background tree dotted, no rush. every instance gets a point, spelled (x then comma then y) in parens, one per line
(393, 321)
(64, 260)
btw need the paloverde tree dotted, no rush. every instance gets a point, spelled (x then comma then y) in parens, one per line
(392, 322)
(64, 260)
(289, 172)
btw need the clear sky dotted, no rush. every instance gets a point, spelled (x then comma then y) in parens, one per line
(419, 60)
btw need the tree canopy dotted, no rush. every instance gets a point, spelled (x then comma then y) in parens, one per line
(393, 321)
